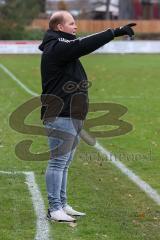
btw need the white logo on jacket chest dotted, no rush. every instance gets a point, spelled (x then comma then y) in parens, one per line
(63, 40)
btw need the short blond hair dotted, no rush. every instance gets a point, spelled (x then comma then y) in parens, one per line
(57, 18)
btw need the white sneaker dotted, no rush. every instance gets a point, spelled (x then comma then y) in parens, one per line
(59, 216)
(69, 210)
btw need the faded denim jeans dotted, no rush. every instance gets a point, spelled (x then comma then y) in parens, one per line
(63, 136)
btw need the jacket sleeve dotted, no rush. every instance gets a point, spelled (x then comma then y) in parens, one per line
(66, 50)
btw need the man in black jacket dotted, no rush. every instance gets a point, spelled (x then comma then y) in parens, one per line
(65, 101)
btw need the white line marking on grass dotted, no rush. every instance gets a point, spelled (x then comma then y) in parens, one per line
(151, 192)
(42, 224)
(42, 228)
(18, 81)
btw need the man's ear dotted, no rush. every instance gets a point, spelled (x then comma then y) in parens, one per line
(60, 27)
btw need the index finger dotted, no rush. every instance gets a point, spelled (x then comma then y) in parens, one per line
(131, 24)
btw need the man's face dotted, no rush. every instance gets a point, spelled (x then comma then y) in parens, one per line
(69, 25)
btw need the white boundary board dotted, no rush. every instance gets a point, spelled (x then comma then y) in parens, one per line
(121, 47)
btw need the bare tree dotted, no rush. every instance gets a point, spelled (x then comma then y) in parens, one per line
(147, 6)
(62, 5)
(126, 9)
(107, 9)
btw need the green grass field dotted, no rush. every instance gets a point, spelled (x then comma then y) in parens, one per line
(116, 208)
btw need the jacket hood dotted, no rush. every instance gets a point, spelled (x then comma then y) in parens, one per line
(51, 35)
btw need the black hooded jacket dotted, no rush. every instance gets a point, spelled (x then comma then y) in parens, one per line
(64, 81)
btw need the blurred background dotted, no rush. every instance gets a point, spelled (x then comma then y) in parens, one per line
(28, 19)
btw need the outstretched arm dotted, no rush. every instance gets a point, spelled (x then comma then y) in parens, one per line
(66, 50)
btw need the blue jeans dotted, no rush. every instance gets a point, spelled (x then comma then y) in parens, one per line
(63, 137)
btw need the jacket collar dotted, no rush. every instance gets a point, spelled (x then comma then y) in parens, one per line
(54, 35)
(68, 36)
